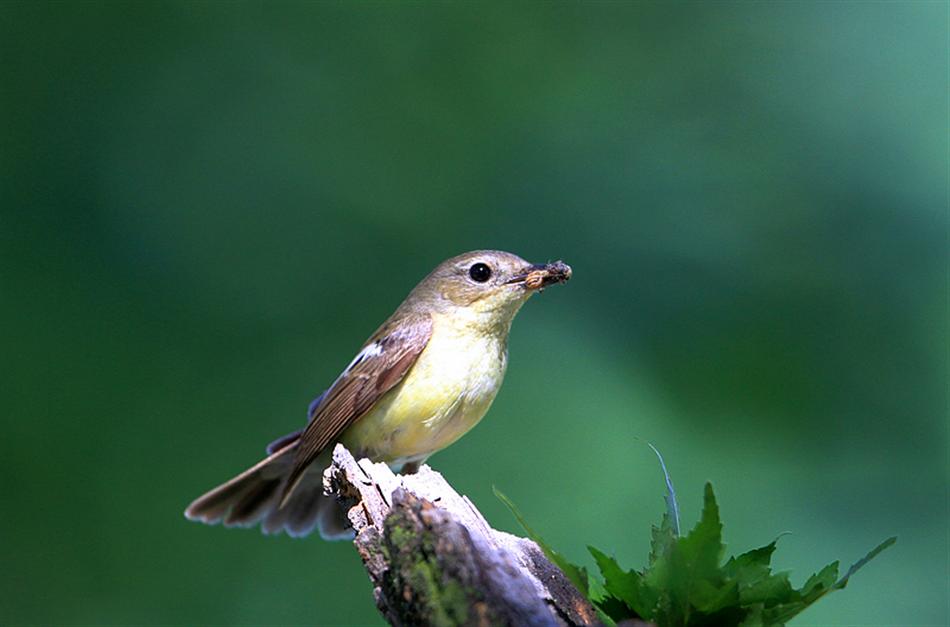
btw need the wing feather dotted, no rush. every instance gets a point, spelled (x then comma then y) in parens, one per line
(381, 364)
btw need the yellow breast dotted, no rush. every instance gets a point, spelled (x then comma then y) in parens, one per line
(444, 394)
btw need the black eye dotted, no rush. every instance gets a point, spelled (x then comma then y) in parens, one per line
(479, 272)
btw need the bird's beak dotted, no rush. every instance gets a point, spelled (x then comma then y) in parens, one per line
(539, 276)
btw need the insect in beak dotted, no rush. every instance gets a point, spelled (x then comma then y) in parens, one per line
(539, 276)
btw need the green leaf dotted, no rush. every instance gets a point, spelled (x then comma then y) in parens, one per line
(753, 617)
(662, 540)
(685, 583)
(751, 566)
(684, 574)
(770, 591)
(702, 548)
(602, 599)
(577, 574)
(751, 563)
(613, 608)
(656, 578)
(820, 583)
(627, 586)
(708, 598)
(757, 584)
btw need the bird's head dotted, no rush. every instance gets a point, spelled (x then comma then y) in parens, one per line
(486, 287)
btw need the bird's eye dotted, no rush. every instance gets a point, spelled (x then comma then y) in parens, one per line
(479, 272)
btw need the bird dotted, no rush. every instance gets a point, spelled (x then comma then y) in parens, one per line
(426, 376)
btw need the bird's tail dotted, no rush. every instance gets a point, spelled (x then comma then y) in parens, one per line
(252, 497)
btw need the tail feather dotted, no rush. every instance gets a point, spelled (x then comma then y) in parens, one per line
(211, 507)
(304, 508)
(252, 497)
(274, 520)
(250, 509)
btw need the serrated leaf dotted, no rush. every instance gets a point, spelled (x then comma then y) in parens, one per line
(770, 591)
(702, 548)
(708, 598)
(613, 608)
(685, 572)
(662, 544)
(757, 584)
(599, 597)
(665, 614)
(684, 584)
(778, 615)
(595, 590)
(577, 574)
(756, 558)
(751, 566)
(662, 538)
(753, 616)
(820, 583)
(624, 585)
(657, 577)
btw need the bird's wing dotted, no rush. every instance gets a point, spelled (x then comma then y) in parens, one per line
(288, 439)
(382, 363)
(315, 405)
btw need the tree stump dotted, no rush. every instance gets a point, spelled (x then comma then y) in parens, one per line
(433, 559)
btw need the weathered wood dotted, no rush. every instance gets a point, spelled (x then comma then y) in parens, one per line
(433, 559)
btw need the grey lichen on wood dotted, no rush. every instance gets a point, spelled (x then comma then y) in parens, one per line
(433, 559)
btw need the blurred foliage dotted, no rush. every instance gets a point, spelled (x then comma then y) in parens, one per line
(686, 583)
(206, 207)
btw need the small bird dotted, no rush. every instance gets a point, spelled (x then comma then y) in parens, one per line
(418, 384)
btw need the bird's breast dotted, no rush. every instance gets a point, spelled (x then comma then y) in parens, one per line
(444, 394)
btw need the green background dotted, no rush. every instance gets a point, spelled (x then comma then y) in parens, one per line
(207, 207)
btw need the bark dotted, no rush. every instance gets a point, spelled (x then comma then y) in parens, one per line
(433, 559)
